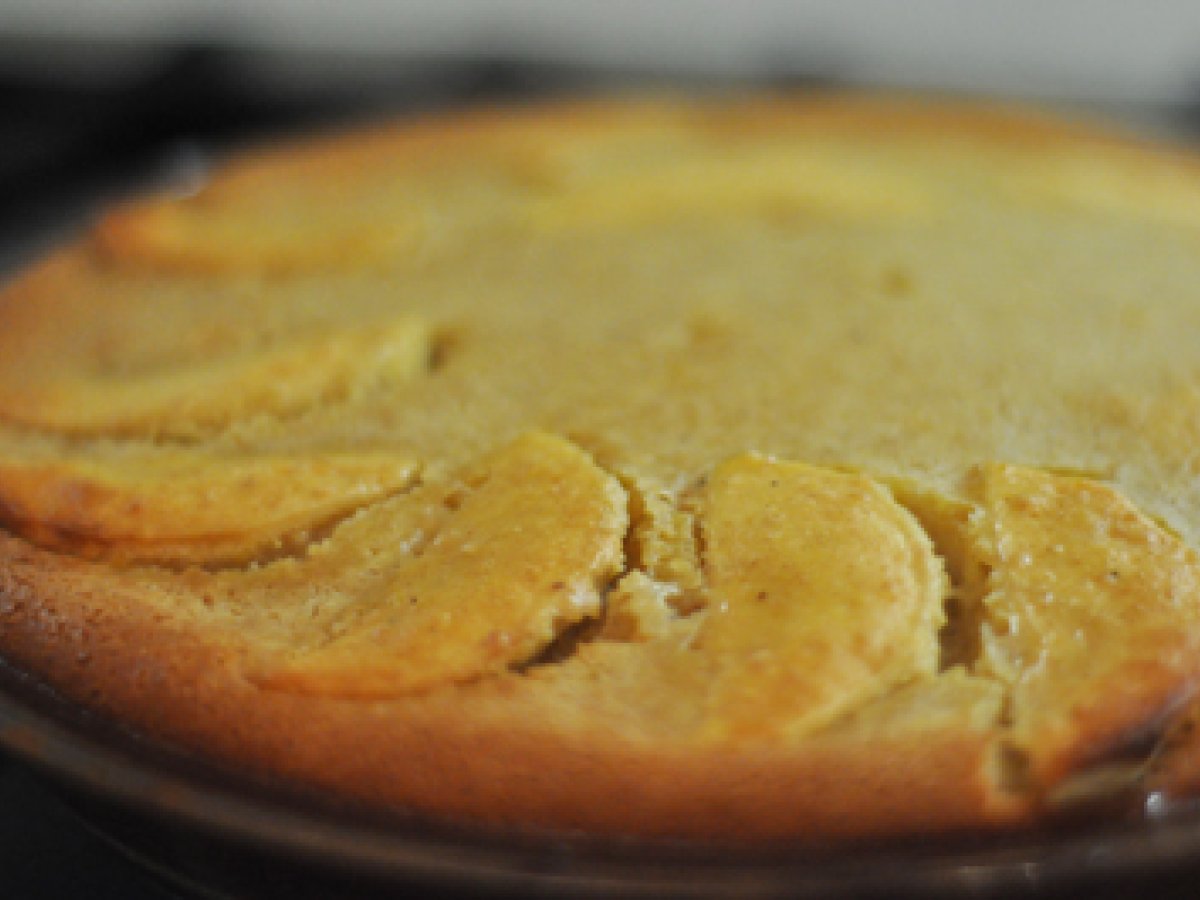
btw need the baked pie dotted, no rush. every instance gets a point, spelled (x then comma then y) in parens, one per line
(726, 469)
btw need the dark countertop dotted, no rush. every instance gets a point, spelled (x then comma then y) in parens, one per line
(47, 853)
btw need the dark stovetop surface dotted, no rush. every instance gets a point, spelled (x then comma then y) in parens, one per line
(47, 853)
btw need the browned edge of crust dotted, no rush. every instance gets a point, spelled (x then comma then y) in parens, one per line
(500, 768)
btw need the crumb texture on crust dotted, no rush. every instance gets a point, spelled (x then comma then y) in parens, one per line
(742, 459)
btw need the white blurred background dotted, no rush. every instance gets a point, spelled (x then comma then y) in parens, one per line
(1147, 51)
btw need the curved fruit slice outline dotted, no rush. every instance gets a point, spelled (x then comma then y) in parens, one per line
(194, 399)
(824, 593)
(1091, 615)
(278, 231)
(176, 507)
(526, 552)
(336, 203)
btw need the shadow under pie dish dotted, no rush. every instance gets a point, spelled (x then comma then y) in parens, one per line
(725, 470)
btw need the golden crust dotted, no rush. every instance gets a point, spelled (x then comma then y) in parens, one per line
(534, 773)
(1091, 614)
(184, 509)
(313, 460)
